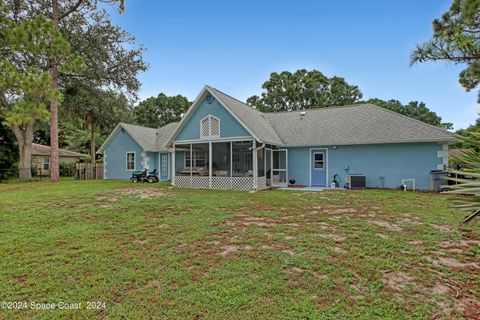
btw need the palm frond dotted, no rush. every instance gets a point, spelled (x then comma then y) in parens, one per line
(467, 187)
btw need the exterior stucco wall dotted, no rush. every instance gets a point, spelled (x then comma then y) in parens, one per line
(115, 167)
(153, 161)
(394, 162)
(229, 126)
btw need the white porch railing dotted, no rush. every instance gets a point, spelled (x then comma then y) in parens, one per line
(223, 183)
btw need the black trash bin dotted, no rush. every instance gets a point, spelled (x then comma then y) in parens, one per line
(438, 180)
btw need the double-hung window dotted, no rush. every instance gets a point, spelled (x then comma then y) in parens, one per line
(318, 161)
(199, 159)
(46, 163)
(130, 159)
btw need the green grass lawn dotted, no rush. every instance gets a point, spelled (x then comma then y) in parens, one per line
(149, 251)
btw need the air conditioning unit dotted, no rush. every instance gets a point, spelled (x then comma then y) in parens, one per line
(355, 181)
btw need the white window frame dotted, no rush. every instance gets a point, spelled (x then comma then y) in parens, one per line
(134, 160)
(210, 136)
(46, 163)
(194, 155)
(315, 161)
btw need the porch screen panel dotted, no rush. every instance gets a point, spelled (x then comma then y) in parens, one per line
(221, 159)
(248, 163)
(279, 168)
(242, 160)
(261, 163)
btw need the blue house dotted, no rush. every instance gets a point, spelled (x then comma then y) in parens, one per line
(222, 143)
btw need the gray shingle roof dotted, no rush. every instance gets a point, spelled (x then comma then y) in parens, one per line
(148, 138)
(163, 134)
(252, 118)
(356, 124)
(43, 150)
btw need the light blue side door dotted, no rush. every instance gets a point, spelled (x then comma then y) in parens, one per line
(318, 167)
(163, 166)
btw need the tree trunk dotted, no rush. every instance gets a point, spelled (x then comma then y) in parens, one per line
(92, 143)
(25, 151)
(54, 159)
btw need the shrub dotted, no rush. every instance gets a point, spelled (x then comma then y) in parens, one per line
(67, 169)
(34, 170)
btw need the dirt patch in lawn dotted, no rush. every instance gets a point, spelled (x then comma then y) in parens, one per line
(296, 272)
(396, 280)
(441, 228)
(386, 225)
(459, 301)
(107, 201)
(143, 193)
(278, 246)
(452, 263)
(460, 246)
(335, 236)
(228, 249)
(409, 220)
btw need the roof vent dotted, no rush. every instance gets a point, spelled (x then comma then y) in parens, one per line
(302, 114)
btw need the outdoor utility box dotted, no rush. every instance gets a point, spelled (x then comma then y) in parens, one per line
(438, 180)
(356, 181)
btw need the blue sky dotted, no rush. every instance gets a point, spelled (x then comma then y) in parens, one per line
(235, 45)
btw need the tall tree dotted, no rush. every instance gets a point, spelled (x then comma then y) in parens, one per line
(311, 89)
(158, 111)
(465, 143)
(304, 89)
(111, 57)
(25, 85)
(456, 38)
(59, 12)
(414, 109)
(98, 111)
(8, 152)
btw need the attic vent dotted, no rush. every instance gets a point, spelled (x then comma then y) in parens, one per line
(210, 127)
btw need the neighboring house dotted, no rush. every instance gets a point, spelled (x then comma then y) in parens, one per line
(41, 157)
(222, 143)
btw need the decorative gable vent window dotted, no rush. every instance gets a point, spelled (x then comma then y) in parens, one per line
(210, 127)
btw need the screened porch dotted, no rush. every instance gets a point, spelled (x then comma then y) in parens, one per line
(239, 165)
